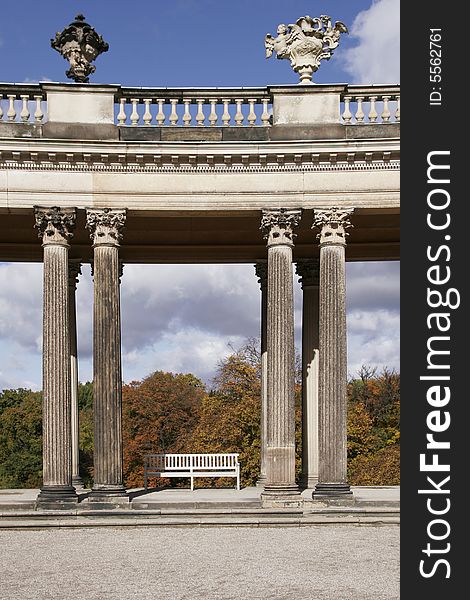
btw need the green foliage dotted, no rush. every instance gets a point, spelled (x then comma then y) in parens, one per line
(20, 439)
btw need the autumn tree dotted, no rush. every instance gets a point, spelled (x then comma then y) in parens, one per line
(374, 428)
(158, 412)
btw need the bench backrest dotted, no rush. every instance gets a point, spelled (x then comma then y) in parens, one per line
(178, 462)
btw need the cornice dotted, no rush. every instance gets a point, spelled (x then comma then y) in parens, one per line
(252, 162)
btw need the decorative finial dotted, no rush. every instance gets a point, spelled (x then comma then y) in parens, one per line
(305, 43)
(80, 45)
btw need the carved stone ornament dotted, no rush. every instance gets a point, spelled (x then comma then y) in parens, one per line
(308, 270)
(278, 226)
(105, 225)
(332, 223)
(261, 271)
(305, 43)
(80, 45)
(55, 224)
(75, 269)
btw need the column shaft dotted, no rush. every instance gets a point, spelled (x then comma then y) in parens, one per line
(281, 412)
(107, 372)
(55, 225)
(74, 271)
(105, 225)
(333, 354)
(308, 269)
(261, 271)
(280, 450)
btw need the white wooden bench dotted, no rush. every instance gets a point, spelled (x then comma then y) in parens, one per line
(191, 465)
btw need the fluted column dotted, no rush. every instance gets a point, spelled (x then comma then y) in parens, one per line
(332, 409)
(105, 226)
(261, 269)
(278, 227)
(55, 229)
(74, 272)
(309, 271)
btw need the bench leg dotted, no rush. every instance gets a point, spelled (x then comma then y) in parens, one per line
(145, 482)
(192, 483)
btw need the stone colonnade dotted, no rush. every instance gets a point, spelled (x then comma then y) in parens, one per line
(324, 358)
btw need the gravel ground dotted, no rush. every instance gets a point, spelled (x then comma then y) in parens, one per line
(310, 563)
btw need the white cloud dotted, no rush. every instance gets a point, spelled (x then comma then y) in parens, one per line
(186, 318)
(376, 57)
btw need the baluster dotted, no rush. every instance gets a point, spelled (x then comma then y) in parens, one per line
(160, 117)
(11, 114)
(265, 113)
(1, 109)
(25, 114)
(38, 114)
(226, 114)
(347, 115)
(386, 111)
(239, 114)
(147, 114)
(122, 112)
(373, 113)
(173, 115)
(359, 112)
(134, 113)
(397, 112)
(200, 117)
(213, 114)
(187, 114)
(252, 114)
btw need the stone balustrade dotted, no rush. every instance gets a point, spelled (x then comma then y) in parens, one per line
(370, 104)
(194, 107)
(20, 103)
(199, 107)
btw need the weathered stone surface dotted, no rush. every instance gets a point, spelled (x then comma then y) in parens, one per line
(74, 272)
(105, 226)
(278, 227)
(309, 272)
(332, 410)
(261, 269)
(55, 229)
(305, 43)
(80, 45)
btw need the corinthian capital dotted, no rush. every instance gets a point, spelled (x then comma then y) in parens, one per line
(332, 223)
(105, 225)
(278, 226)
(261, 270)
(308, 270)
(55, 224)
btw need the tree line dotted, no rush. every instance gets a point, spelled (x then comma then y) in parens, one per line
(166, 412)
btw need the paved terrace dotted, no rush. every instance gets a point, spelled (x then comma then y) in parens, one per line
(202, 507)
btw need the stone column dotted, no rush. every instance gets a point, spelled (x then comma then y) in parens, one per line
(74, 272)
(261, 269)
(55, 228)
(105, 226)
(332, 408)
(278, 226)
(309, 271)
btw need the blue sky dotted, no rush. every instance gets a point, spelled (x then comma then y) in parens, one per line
(186, 318)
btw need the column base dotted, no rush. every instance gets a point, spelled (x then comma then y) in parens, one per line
(332, 490)
(77, 483)
(108, 494)
(261, 482)
(279, 496)
(57, 497)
